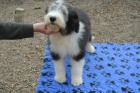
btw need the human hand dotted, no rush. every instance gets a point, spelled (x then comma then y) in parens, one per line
(42, 28)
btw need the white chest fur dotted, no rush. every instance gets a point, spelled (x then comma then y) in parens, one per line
(66, 45)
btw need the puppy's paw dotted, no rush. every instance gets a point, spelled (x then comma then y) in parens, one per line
(77, 81)
(60, 79)
(91, 49)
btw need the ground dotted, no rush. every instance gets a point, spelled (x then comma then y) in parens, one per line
(21, 60)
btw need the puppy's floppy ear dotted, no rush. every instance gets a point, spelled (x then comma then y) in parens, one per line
(73, 16)
(73, 21)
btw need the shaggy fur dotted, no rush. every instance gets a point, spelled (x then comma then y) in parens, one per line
(73, 37)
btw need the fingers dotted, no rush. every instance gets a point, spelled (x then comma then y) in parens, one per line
(49, 32)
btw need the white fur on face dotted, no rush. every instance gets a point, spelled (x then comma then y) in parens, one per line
(59, 19)
(58, 10)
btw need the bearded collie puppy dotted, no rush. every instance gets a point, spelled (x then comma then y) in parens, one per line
(72, 38)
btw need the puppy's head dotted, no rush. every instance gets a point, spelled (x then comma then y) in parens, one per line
(56, 16)
(60, 18)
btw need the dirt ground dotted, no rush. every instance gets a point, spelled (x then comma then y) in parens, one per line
(21, 60)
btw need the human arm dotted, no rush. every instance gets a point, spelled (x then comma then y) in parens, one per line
(10, 31)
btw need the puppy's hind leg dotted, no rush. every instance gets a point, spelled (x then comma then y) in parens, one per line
(90, 48)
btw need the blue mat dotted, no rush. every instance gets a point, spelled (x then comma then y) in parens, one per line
(113, 68)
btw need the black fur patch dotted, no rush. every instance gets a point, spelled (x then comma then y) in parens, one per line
(90, 38)
(79, 56)
(55, 56)
(73, 22)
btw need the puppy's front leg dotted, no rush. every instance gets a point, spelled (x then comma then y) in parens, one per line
(60, 75)
(77, 70)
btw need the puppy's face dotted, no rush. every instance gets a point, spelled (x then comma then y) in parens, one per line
(56, 16)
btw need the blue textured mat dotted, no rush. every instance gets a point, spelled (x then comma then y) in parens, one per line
(113, 68)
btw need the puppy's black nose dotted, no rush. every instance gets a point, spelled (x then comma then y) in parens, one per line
(52, 19)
